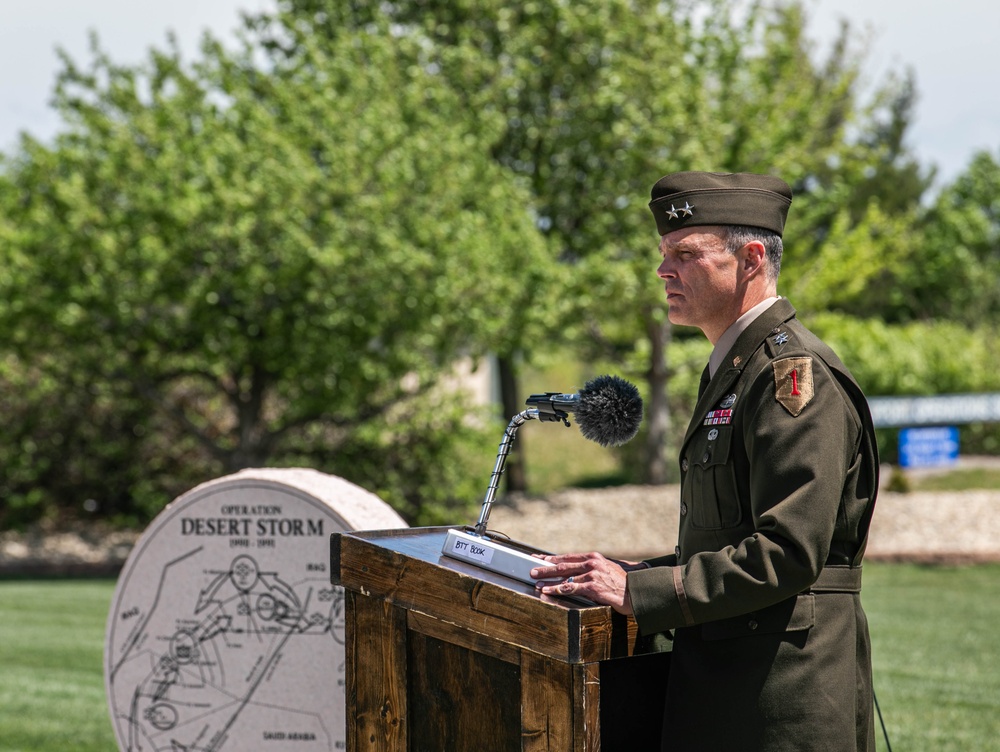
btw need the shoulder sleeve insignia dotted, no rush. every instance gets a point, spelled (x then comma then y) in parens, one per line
(793, 383)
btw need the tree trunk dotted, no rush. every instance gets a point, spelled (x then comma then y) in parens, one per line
(515, 472)
(657, 409)
(250, 450)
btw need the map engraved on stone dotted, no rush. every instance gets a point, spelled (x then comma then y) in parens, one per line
(225, 633)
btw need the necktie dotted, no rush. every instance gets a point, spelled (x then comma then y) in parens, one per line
(705, 378)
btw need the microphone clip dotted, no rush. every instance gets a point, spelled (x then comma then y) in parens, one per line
(550, 407)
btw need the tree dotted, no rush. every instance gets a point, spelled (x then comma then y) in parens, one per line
(938, 263)
(959, 266)
(601, 97)
(895, 180)
(857, 270)
(281, 258)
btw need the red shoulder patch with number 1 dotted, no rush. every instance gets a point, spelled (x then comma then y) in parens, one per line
(793, 383)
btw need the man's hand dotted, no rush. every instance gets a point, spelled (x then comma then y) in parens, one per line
(590, 575)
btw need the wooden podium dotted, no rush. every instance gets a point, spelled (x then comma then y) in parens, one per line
(442, 655)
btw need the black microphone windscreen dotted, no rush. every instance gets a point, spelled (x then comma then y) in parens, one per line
(610, 410)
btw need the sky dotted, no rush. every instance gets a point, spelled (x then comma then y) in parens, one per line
(951, 47)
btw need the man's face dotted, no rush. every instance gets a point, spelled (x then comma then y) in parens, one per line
(701, 279)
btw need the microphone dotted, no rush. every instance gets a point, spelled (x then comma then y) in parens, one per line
(608, 409)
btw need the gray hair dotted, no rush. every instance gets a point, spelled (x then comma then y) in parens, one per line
(737, 236)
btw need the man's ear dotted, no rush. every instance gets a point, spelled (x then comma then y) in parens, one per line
(753, 256)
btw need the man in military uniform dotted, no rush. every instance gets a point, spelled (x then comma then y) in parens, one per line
(779, 474)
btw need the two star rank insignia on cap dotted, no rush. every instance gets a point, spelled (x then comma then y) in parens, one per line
(685, 211)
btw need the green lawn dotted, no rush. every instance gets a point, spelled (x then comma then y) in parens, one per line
(51, 647)
(937, 660)
(936, 655)
(963, 479)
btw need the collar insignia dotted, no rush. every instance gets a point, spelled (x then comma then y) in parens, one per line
(781, 338)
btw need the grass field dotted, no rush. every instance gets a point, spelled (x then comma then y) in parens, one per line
(934, 633)
(969, 479)
(51, 646)
(936, 655)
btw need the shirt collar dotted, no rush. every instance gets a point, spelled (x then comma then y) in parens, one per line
(729, 337)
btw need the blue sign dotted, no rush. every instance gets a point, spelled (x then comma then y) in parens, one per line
(928, 447)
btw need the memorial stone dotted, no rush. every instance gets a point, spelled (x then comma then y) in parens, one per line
(224, 633)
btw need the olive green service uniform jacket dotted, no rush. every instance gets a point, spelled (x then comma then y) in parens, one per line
(779, 476)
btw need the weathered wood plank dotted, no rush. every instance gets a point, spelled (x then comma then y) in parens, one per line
(587, 709)
(410, 572)
(376, 675)
(480, 643)
(546, 704)
(461, 700)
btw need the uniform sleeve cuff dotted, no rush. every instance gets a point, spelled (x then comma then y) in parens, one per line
(658, 600)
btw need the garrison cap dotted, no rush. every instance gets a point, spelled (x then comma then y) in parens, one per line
(687, 199)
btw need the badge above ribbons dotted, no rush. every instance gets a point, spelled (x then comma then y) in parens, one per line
(793, 383)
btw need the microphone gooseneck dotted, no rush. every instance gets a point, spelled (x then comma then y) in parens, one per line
(608, 409)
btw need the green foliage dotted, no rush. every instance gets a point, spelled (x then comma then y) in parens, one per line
(598, 99)
(74, 445)
(898, 481)
(429, 459)
(939, 263)
(912, 359)
(919, 358)
(960, 254)
(856, 272)
(275, 255)
(981, 438)
(266, 259)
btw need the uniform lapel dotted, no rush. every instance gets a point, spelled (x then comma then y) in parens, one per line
(735, 361)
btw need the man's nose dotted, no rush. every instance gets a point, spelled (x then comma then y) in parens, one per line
(664, 270)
